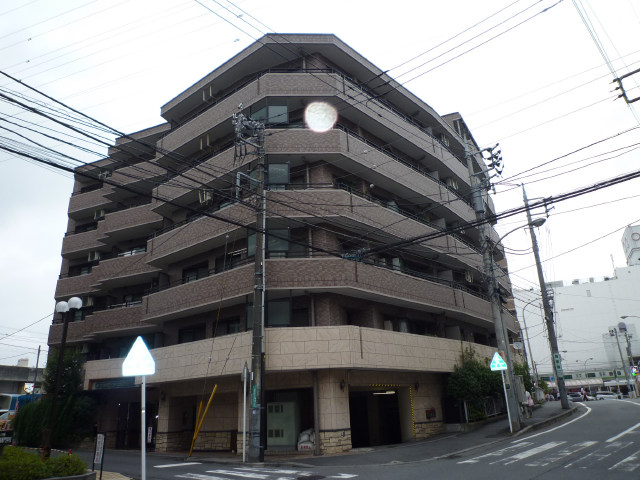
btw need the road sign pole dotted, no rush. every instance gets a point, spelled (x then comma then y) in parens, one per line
(504, 386)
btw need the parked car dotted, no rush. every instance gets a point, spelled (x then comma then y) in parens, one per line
(607, 396)
(5, 420)
(577, 397)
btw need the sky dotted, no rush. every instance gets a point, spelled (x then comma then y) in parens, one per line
(525, 73)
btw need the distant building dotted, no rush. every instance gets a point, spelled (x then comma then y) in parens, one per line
(161, 243)
(585, 313)
(18, 379)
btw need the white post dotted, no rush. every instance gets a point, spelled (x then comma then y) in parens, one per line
(143, 411)
(504, 386)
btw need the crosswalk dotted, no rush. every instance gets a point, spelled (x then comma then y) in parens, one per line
(254, 473)
(611, 455)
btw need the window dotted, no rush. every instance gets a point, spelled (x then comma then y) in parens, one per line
(228, 326)
(278, 174)
(277, 242)
(279, 313)
(195, 272)
(191, 334)
(272, 114)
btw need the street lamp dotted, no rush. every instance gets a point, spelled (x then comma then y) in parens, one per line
(502, 336)
(67, 309)
(584, 366)
(526, 332)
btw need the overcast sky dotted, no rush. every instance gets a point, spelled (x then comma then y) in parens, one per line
(524, 73)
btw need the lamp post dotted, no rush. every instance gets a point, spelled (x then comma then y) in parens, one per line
(584, 366)
(66, 309)
(526, 332)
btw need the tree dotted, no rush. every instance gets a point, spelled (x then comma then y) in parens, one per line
(472, 381)
(523, 369)
(76, 410)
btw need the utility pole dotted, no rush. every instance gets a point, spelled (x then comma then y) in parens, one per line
(35, 375)
(477, 186)
(548, 313)
(614, 333)
(257, 416)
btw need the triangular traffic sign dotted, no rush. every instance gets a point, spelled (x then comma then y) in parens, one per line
(139, 360)
(497, 363)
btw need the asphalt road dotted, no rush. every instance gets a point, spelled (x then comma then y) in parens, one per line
(601, 442)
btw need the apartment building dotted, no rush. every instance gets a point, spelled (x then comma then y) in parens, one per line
(362, 330)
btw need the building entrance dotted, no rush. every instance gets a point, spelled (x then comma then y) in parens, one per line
(375, 418)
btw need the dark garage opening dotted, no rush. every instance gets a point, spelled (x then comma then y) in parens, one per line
(375, 418)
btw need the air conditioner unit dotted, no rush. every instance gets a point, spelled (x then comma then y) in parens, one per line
(104, 174)
(205, 196)
(88, 301)
(452, 182)
(468, 276)
(94, 256)
(99, 214)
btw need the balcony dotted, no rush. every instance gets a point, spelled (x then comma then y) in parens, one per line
(356, 213)
(74, 245)
(199, 296)
(84, 204)
(75, 286)
(118, 320)
(120, 271)
(378, 284)
(299, 349)
(198, 235)
(135, 222)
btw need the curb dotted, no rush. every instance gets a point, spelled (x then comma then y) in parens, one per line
(548, 421)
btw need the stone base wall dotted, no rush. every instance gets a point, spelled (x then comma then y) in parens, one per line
(335, 441)
(428, 429)
(206, 441)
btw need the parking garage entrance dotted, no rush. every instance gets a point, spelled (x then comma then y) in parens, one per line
(375, 417)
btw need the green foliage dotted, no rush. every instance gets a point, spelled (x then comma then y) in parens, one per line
(71, 376)
(473, 380)
(66, 465)
(30, 422)
(544, 386)
(75, 421)
(523, 369)
(17, 464)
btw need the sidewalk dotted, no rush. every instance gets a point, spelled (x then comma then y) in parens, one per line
(439, 446)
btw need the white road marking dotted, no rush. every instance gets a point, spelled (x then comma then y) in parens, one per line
(565, 452)
(528, 453)
(198, 476)
(628, 430)
(171, 465)
(556, 428)
(343, 475)
(240, 474)
(266, 470)
(497, 453)
(629, 464)
(598, 455)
